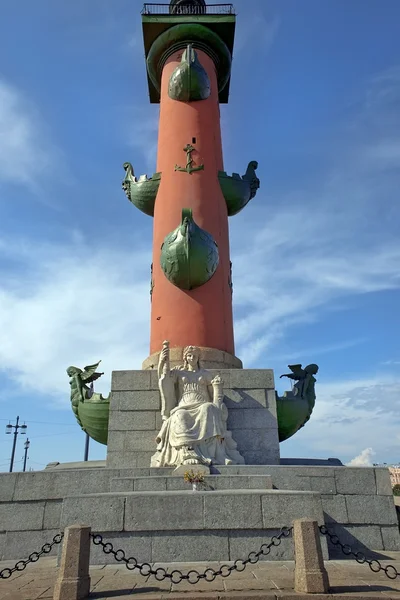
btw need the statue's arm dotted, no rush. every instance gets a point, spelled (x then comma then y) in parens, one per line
(167, 384)
(218, 391)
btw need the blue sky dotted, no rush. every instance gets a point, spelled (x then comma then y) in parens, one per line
(315, 98)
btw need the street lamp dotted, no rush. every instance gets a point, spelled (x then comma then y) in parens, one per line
(9, 429)
(26, 446)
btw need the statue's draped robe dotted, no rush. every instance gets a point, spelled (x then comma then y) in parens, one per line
(196, 423)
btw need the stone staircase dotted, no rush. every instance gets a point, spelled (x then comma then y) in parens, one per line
(160, 483)
(155, 515)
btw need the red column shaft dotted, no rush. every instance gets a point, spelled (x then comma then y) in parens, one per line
(202, 317)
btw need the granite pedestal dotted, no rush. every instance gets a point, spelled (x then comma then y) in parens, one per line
(135, 416)
(151, 513)
(356, 502)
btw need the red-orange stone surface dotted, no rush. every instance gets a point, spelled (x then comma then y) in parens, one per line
(203, 316)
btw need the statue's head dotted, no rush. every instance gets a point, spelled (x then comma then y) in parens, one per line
(191, 356)
(71, 371)
(312, 369)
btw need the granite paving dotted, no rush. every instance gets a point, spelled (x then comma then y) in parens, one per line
(272, 580)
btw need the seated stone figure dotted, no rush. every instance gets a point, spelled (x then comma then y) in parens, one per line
(194, 415)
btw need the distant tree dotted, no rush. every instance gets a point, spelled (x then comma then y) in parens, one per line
(396, 489)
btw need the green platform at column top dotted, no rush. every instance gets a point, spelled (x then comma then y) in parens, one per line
(157, 19)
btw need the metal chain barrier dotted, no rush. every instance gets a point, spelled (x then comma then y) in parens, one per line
(32, 558)
(193, 576)
(375, 566)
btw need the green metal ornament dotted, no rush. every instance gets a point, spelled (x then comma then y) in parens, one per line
(90, 408)
(189, 161)
(294, 408)
(189, 82)
(237, 190)
(189, 255)
(141, 192)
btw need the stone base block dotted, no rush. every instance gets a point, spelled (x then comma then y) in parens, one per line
(192, 526)
(363, 516)
(135, 416)
(168, 527)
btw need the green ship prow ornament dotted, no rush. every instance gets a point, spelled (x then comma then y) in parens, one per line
(189, 255)
(189, 82)
(294, 408)
(91, 409)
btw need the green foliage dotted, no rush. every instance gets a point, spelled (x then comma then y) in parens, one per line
(396, 489)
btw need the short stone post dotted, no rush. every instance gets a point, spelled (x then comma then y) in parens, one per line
(73, 581)
(311, 576)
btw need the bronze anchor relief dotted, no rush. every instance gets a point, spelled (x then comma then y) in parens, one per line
(189, 161)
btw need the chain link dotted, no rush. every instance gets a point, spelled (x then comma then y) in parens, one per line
(32, 558)
(192, 576)
(375, 566)
(209, 574)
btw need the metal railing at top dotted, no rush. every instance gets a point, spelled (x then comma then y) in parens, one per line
(179, 11)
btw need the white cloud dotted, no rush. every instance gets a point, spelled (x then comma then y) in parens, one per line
(311, 250)
(348, 415)
(144, 129)
(72, 304)
(25, 153)
(300, 353)
(364, 459)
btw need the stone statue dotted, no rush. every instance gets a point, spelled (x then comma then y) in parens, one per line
(305, 386)
(194, 415)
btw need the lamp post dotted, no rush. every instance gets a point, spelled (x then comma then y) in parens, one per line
(26, 446)
(86, 454)
(16, 427)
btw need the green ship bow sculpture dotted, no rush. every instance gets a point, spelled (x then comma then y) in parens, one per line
(189, 82)
(141, 192)
(189, 254)
(90, 408)
(294, 408)
(237, 190)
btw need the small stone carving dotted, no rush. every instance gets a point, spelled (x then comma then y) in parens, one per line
(90, 408)
(189, 254)
(189, 82)
(194, 415)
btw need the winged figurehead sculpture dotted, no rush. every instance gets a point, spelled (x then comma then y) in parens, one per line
(91, 409)
(294, 408)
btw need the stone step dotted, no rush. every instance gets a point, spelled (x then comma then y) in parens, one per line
(215, 470)
(191, 526)
(160, 483)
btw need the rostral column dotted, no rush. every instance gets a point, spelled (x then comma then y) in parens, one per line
(188, 49)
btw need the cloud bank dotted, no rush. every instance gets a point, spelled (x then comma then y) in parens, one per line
(364, 459)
